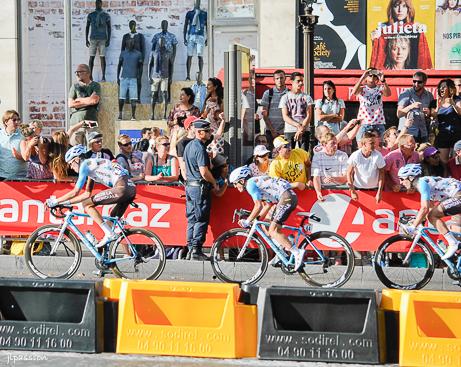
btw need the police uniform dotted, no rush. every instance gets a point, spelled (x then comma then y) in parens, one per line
(198, 193)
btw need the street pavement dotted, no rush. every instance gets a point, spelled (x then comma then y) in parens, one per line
(180, 270)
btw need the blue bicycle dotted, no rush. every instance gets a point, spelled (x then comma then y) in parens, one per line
(54, 251)
(407, 262)
(240, 255)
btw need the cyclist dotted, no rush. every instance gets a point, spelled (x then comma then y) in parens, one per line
(446, 191)
(266, 192)
(121, 189)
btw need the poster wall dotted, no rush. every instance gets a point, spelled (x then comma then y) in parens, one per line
(339, 38)
(448, 35)
(400, 34)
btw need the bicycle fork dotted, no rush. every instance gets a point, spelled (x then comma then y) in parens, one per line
(58, 240)
(247, 242)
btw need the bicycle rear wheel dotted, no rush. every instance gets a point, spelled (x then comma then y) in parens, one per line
(327, 268)
(146, 261)
(249, 268)
(391, 270)
(66, 257)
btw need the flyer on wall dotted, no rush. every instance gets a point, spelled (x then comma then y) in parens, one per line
(448, 35)
(400, 34)
(339, 38)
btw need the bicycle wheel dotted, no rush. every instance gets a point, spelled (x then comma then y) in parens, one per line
(328, 261)
(62, 263)
(148, 259)
(391, 270)
(249, 268)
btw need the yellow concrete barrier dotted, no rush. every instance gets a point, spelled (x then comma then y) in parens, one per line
(111, 288)
(430, 329)
(185, 319)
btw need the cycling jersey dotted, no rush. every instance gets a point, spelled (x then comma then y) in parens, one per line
(438, 188)
(267, 188)
(100, 170)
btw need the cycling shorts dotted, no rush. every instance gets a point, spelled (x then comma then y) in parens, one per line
(452, 206)
(287, 203)
(122, 194)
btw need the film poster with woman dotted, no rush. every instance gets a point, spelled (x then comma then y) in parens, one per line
(448, 35)
(400, 34)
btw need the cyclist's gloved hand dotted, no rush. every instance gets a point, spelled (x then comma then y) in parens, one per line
(51, 202)
(409, 229)
(244, 223)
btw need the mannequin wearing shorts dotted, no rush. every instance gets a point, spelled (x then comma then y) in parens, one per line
(195, 35)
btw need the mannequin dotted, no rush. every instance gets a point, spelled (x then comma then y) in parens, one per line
(138, 39)
(99, 38)
(195, 35)
(199, 89)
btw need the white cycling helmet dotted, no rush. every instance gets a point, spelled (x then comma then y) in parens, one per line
(240, 173)
(410, 170)
(73, 152)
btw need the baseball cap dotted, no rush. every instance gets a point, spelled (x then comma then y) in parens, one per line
(189, 121)
(201, 125)
(457, 145)
(260, 150)
(93, 135)
(430, 151)
(280, 141)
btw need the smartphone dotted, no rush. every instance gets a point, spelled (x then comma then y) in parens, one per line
(91, 124)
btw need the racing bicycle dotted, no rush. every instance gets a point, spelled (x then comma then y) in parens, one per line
(407, 262)
(240, 255)
(54, 251)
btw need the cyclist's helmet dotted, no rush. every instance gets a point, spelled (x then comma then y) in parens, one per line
(75, 151)
(240, 173)
(410, 170)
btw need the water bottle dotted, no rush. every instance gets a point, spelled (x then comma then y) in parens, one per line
(90, 237)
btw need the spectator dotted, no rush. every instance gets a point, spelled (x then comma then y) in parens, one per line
(220, 172)
(84, 97)
(392, 136)
(328, 166)
(34, 152)
(143, 144)
(454, 164)
(329, 110)
(261, 162)
(291, 165)
(199, 183)
(271, 112)
(56, 156)
(95, 147)
(297, 111)
(189, 126)
(184, 108)
(366, 168)
(431, 164)
(211, 112)
(398, 158)
(12, 166)
(414, 103)
(129, 159)
(161, 166)
(36, 126)
(457, 82)
(448, 113)
(370, 96)
(344, 137)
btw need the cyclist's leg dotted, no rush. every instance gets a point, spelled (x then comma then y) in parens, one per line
(287, 203)
(446, 208)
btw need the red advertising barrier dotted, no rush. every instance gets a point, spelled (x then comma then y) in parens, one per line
(363, 223)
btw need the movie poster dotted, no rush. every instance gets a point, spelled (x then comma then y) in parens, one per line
(448, 35)
(400, 34)
(339, 39)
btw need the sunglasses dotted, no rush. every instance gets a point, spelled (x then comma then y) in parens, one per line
(261, 142)
(418, 82)
(99, 141)
(165, 144)
(125, 145)
(80, 72)
(263, 156)
(15, 119)
(286, 146)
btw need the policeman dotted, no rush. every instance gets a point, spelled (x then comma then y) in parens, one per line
(199, 183)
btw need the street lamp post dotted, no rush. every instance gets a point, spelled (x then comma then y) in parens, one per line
(308, 22)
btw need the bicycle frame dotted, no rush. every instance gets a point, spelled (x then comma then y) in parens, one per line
(68, 223)
(423, 234)
(257, 228)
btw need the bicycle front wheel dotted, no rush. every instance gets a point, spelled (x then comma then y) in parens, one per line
(138, 254)
(392, 269)
(328, 260)
(49, 258)
(232, 264)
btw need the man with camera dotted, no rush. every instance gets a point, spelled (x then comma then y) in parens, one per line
(370, 95)
(84, 97)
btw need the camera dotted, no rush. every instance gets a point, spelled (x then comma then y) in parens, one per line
(90, 124)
